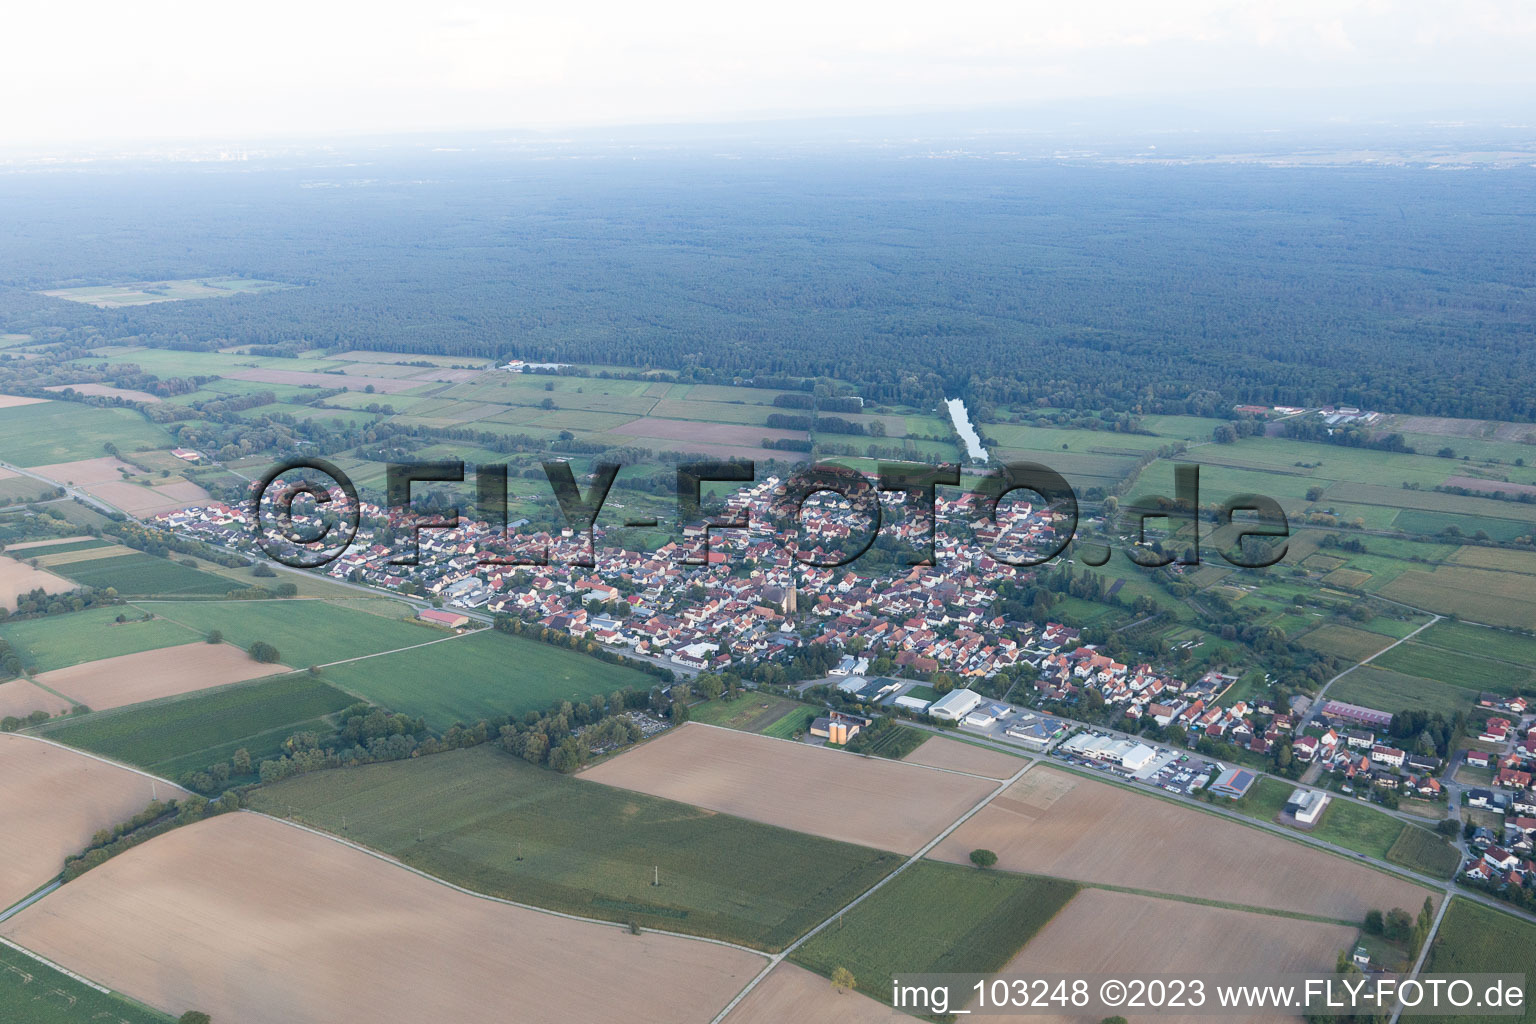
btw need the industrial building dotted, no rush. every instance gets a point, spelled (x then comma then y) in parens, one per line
(955, 705)
(1129, 754)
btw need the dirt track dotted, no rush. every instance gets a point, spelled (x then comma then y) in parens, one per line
(256, 922)
(865, 800)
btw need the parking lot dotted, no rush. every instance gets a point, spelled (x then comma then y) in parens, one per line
(1169, 770)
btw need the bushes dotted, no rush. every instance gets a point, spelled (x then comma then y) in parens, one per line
(156, 819)
(265, 653)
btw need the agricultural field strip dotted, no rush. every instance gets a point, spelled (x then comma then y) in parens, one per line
(497, 899)
(783, 954)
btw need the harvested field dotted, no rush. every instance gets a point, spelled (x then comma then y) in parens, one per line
(793, 993)
(19, 698)
(748, 435)
(53, 801)
(148, 675)
(1055, 823)
(84, 472)
(939, 752)
(869, 801)
(1207, 940)
(209, 915)
(17, 578)
(11, 401)
(102, 478)
(138, 500)
(106, 391)
(304, 378)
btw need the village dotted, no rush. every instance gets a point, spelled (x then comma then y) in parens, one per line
(740, 600)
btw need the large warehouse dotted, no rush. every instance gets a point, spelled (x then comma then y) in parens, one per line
(955, 705)
(1129, 754)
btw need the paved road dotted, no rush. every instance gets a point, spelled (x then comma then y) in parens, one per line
(24, 904)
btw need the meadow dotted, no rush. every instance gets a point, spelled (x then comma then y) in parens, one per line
(58, 641)
(1461, 669)
(1391, 691)
(305, 632)
(1496, 644)
(495, 824)
(143, 574)
(936, 918)
(1344, 641)
(1358, 826)
(52, 432)
(185, 734)
(481, 675)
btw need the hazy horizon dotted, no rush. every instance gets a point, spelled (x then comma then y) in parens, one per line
(106, 75)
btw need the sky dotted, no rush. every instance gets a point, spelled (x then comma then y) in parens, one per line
(95, 72)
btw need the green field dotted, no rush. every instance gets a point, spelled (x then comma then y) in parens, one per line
(1391, 691)
(936, 918)
(1478, 939)
(1345, 641)
(1425, 852)
(181, 735)
(798, 720)
(1456, 668)
(57, 641)
(1356, 825)
(305, 632)
(142, 574)
(1496, 644)
(482, 675)
(754, 713)
(33, 993)
(42, 434)
(495, 824)
(21, 489)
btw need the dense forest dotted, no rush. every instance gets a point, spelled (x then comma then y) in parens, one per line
(1083, 286)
